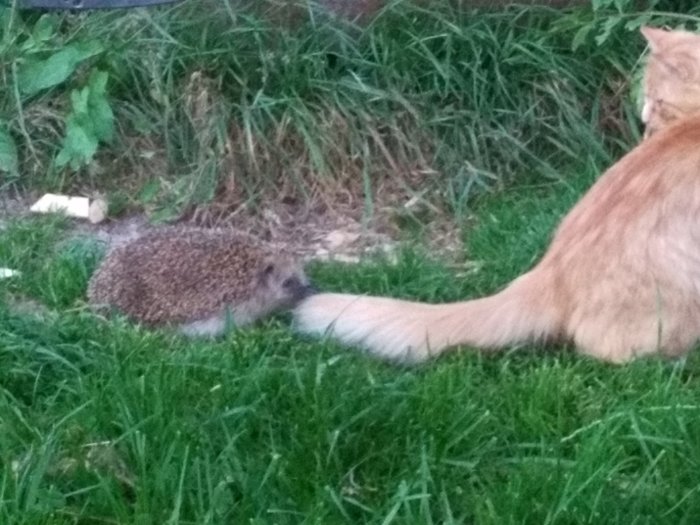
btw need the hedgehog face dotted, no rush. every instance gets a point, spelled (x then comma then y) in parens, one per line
(284, 284)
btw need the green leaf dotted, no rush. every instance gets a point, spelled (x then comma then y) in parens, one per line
(102, 119)
(5, 17)
(607, 29)
(100, 111)
(638, 21)
(600, 4)
(44, 28)
(79, 100)
(90, 122)
(580, 36)
(98, 82)
(8, 152)
(36, 75)
(79, 145)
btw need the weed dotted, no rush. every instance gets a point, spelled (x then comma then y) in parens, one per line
(231, 103)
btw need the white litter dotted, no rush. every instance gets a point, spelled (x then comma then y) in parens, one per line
(80, 207)
(6, 273)
(97, 211)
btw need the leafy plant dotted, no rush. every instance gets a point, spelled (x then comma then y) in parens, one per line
(609, 16)
(42, 56)
(90, 123)
(36, 75)
(448, 103)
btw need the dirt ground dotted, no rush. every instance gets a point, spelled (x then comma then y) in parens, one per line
(308, 233)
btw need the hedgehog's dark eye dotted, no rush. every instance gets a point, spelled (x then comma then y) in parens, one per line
(291, 282)
(269, 269)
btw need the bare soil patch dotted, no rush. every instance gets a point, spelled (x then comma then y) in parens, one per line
(310, 231)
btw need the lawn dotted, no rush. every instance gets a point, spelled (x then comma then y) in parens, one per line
(105, 422)
(102, 421)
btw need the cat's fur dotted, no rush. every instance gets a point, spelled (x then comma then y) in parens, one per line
(671, 79)
(621, 277)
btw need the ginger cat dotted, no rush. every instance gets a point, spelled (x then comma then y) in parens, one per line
(621, 277)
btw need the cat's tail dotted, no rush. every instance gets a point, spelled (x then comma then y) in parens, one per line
(410, 331)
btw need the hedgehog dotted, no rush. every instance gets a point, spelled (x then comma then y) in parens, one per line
(198, 280)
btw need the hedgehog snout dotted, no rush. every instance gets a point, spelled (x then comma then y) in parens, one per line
(301, 290)
(307, 291)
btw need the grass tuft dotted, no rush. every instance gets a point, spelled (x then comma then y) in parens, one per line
(243, 104)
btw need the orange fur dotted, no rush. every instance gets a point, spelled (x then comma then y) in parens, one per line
(672, 77)
(621, 277)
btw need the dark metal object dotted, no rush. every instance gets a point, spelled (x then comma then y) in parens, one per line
(89, 4)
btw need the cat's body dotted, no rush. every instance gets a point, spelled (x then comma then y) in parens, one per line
(621, 277)
(198, 279)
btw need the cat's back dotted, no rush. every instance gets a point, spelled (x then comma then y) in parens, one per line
(658, 179)
(674, 144)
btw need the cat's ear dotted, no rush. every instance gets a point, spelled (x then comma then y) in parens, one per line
(661, 42)
(656, 37)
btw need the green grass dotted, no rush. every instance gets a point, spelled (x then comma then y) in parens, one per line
(442, 102)
(269, 427)
(492, 116)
